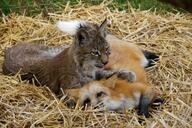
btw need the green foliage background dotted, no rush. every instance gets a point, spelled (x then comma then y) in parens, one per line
(32, 7)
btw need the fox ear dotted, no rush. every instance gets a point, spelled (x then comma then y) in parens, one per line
(111, 81)
(102, 28)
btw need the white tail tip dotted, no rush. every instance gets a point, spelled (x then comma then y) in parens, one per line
(69, 27)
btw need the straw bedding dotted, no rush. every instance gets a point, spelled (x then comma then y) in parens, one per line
(170, 35)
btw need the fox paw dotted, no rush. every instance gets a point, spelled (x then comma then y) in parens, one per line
(151, 57)
(70, 103)
(157, 103)
(127, 75)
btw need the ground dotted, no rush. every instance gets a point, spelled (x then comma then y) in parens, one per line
(168, 34)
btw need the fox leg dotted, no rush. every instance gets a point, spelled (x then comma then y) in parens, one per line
(145, 101)
(144, 106)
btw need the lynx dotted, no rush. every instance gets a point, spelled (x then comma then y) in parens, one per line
(70, 67)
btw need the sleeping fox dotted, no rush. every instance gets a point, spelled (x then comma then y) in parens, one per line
(123, 54)
(116, 94)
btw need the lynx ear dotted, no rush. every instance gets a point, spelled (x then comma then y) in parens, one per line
(102, 28)
(111, 82)
(81, 37)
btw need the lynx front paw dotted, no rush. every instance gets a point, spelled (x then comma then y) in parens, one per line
(127, 75)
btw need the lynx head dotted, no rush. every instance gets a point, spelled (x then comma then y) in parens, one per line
(90, 47)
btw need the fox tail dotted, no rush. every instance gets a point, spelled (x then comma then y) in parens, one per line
(70, 27)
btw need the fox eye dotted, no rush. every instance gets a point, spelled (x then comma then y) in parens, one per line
(100, 94)
(87, 101)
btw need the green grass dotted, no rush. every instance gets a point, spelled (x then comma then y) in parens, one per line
(146, 5)
(35, 6)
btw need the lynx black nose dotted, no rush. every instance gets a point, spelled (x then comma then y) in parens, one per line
(105, 62)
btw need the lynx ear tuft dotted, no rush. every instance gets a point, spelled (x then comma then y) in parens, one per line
(111, 81)
(102, 28)
(69, 27)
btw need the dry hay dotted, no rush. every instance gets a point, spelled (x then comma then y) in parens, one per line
(170, 35)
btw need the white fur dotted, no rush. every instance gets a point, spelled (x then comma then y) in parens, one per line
(129, 103)
(69, 27)
(144, 62)
(124, 103)
(137, 96)
(113, 104)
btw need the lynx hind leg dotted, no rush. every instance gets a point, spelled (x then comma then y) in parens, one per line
(151, 57)
(130, 76)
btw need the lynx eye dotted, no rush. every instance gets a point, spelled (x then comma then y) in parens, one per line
(95, 53)
(108, 51)
(100, 94)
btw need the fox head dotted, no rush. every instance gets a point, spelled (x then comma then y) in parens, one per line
(116, 94)
(102, 92)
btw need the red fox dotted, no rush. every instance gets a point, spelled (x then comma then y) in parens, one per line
(116, 94)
